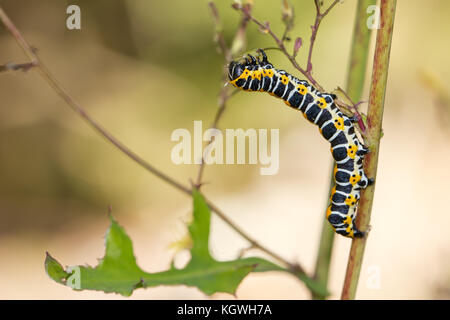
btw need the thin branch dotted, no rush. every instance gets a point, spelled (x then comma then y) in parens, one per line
(288, 17)
(317, 4)
(218, 34)
(284, 37)
(330, 7)
(238, 44)
(354, 106)
(265, 27)
(252, 241)
(240, 38)
(10, 66)
(223, 97)
(314, 29)
(51, 80)
(374, 130)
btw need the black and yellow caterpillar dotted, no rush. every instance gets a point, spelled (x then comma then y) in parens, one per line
(252, 74)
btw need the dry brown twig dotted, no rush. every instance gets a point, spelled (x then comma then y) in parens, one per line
(10, 66)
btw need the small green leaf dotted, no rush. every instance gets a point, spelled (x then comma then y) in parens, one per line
(54, 269)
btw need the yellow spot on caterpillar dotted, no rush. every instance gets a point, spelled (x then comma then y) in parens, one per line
(302, 89)
(350, 201)
(256, 75)
(244, 75)
(351, 234)
(351, 151)
(354, 179)
(287, 103)
(349, 231)
(284, 79)
(348, 220)
(339, 123)
(333, 191)
(328, 211)
(267, 73)
(322, 103)
(335, 167)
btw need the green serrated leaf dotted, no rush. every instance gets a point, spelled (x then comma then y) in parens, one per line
(118, 271)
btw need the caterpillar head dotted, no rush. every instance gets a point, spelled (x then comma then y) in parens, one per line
(238, 67)
(243, 66)
(235, 69)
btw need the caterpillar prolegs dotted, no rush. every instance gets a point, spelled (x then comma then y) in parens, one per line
(258, 74)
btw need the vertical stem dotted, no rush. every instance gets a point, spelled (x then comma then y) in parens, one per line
(359, 52)
(374, 122)
(355, 84)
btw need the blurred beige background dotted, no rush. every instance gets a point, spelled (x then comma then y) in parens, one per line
(145, 68)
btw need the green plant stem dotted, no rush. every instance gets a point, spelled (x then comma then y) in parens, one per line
(374, 126)
(355, 84)
(359, 52)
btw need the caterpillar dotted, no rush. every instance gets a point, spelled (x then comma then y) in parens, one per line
(258, 74)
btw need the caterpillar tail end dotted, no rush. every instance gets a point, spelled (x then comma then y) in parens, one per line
(353, 234)
(358, 234)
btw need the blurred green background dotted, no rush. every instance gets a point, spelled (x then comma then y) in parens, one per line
(145, 68)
